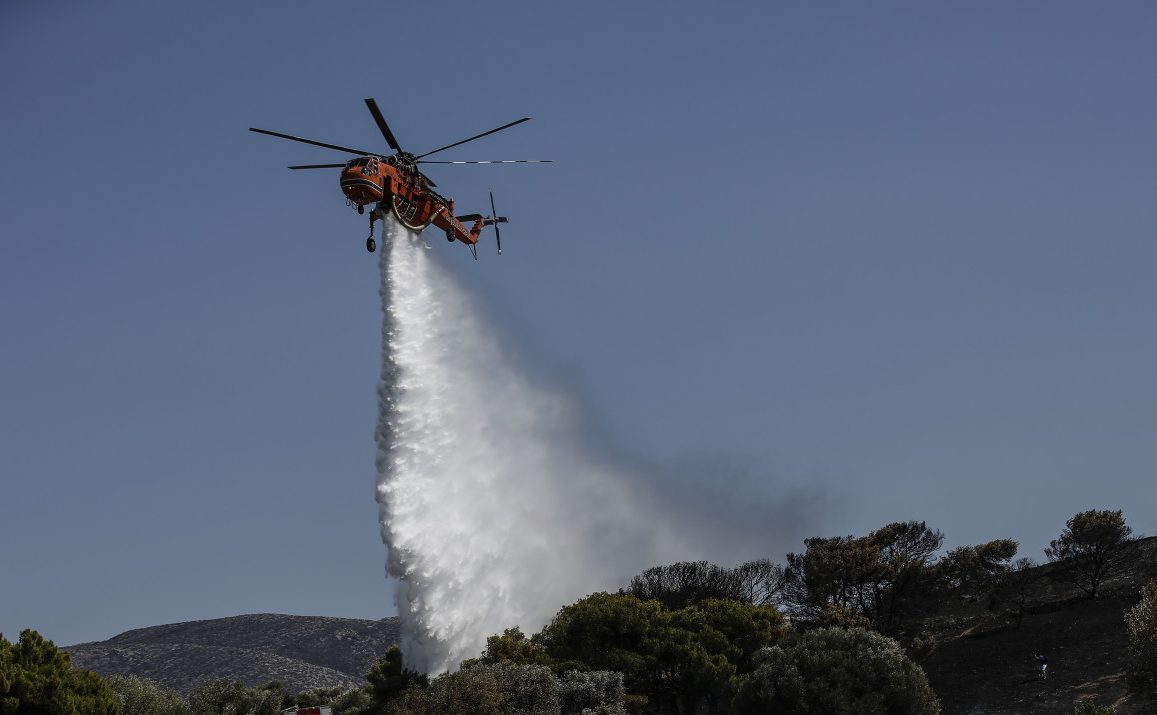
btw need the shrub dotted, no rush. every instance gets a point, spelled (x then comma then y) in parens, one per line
(837, 671)
(1141, 622)
(140, 696)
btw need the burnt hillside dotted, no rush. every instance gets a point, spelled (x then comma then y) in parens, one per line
(980, 662)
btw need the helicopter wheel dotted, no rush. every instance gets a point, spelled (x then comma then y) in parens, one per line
(361, 209)
(371, 245)
(450, 237)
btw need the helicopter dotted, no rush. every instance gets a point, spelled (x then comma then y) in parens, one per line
(394, 184)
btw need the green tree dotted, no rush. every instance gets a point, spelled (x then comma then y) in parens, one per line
(596, 692)
(389, 679)
(230, 697)
(678, 660)
(604, 631)
(343, 701)
(470, 691)
(36, 677)
(836, 671)
(140, 696)
(511, 647)
(1095, 541)
(1141, 623)
(526, 689)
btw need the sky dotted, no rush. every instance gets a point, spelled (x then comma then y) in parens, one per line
(884, 261)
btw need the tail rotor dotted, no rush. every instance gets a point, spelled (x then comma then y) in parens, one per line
(493, 220)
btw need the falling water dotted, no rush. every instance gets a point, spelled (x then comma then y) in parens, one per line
(494, 509)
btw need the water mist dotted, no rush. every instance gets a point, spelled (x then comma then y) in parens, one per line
(494, 511)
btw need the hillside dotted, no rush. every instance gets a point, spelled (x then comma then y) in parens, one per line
(980, 662)
(302, 652)
(977, 658)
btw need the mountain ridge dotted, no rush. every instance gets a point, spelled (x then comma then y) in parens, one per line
(303, 652)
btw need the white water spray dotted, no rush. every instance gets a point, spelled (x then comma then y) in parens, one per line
(494, 511)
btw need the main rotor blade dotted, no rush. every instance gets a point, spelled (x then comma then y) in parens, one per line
(476, 136)
(310, 141)
(503, 161)
(385, 128)
(318, 166)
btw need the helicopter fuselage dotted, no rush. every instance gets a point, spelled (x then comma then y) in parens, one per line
(395, 185)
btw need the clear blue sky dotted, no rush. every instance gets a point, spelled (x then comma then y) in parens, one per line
(897, 254)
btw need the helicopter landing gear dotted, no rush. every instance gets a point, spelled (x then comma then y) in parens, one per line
(450, 237)
(361, 209)
(371, 244)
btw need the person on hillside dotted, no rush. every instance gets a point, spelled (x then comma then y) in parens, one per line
(1043, 665)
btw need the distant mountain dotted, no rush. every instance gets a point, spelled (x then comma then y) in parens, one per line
(303, 652)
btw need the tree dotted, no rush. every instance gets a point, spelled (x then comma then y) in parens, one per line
(36, 677)
(679, 661)
(597, 692)
(511, 647)
(1095, 541)
(906, 549)
(977, 567)
(526, 689)
(1141, 623)
(140, 696)
(836, 671)
(688, 582)
(389, 679)
(1019, 576)
(469, 691)
(842, 570)
(343, 701)
(230, 697)
(604, 631)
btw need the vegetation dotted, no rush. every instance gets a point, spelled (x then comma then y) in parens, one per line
(139, 696)
(671, 660)
(689, 582)
(1141, 623)
(388, 679)
(872, 579)
(690, 637)
(226, 697)
(836, 671)
(36, 677)
(1095, 541)
(1090, 707)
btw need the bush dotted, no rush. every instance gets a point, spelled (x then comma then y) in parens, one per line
(1141, 622)
(598, 692)
(139, 696)
(471, 691)
(836, 671)
(1089, 707)
(228, 697)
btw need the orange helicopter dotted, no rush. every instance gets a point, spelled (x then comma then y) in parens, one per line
(395, 184)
